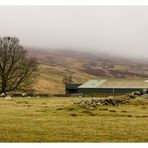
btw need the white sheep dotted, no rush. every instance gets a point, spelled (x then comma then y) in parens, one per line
(24, 95)
(7, 97)
(3, 95)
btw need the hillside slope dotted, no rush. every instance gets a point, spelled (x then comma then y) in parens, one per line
(50, 79)
(84, 66)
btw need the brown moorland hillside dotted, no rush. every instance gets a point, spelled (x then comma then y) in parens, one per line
(84, 66)
(50, 79)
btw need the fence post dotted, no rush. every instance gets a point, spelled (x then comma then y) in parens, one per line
(113, 91)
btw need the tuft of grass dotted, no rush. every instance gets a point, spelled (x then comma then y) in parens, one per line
(73, 115)
(59, 109)
(124, 111)
(112, 111)
(71, 109)
(103, 109)
(28, 105)
(129, 116)
(89, 113)
(22, 102)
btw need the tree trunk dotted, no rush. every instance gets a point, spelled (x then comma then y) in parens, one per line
(3, 85)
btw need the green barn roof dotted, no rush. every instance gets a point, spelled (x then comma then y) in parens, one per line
(116, 83)
(72, 86)
(92, 84)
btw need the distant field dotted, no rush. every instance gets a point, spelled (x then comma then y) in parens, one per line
(59, 120)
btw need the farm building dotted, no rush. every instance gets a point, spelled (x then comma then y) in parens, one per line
(72, 88)
(110, 86)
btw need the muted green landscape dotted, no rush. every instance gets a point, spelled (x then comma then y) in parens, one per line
(71, 73)
(60, 120)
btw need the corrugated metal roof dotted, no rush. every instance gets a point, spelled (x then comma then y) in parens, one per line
(92, 84)
(116, 83)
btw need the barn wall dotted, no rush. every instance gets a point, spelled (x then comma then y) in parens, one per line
(107, 90)
(70, 91)
(94, 90)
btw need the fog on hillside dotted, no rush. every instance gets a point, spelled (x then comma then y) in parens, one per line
(121, 30)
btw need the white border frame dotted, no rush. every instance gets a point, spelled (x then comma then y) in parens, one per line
(75, 2)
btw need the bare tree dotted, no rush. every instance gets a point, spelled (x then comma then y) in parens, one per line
(15, 66)
(67, 79)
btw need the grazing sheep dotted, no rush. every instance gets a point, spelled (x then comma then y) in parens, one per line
(7, 97)
(24, 95)
(3, 95)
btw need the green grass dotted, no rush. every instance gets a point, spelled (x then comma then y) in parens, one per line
(60, 120)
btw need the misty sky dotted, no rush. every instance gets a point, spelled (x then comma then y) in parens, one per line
(121, 29)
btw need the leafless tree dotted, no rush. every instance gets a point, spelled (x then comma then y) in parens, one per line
(15, 66)
(68, 77)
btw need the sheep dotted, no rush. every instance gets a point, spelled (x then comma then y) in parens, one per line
(3, 95)
(24, 95)
(7, 97)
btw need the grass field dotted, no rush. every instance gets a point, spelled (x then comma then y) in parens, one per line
(60, 120)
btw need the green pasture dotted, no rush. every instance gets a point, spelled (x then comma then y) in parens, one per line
(60, 120)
